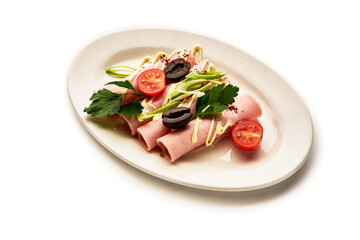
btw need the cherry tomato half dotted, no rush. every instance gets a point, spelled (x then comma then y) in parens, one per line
(151, 82)
(247, 134)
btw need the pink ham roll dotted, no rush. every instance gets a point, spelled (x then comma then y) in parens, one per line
(178, 143)
(149, 133)
(132, 123)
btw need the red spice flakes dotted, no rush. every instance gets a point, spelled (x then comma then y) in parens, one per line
(232, 108)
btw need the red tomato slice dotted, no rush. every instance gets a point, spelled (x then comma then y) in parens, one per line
(151, 82)
(247, 134)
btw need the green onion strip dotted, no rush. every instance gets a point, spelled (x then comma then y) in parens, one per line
(115, 71)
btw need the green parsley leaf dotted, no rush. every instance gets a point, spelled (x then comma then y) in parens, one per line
(106, 102)
(210, 109)
(216, 100)
(228, 94)
(124, 84)
(133, 108)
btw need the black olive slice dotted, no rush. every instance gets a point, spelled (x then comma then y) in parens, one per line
(176, 118)
(176, 112)
(177, 69)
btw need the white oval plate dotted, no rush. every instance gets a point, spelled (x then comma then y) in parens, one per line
(288, 130)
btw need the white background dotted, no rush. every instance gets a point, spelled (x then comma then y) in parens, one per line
(57, 182)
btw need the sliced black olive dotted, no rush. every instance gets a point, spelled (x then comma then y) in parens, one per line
(176, 118)
(177, 69)
(176, 112)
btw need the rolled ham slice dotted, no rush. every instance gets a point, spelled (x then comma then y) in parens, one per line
(132, 123)
(178, 143)
(149, 133)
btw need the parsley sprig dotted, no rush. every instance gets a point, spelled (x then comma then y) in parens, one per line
(216, 99)
(106, 102)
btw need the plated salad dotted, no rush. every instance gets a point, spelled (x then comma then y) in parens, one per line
(178, 103)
